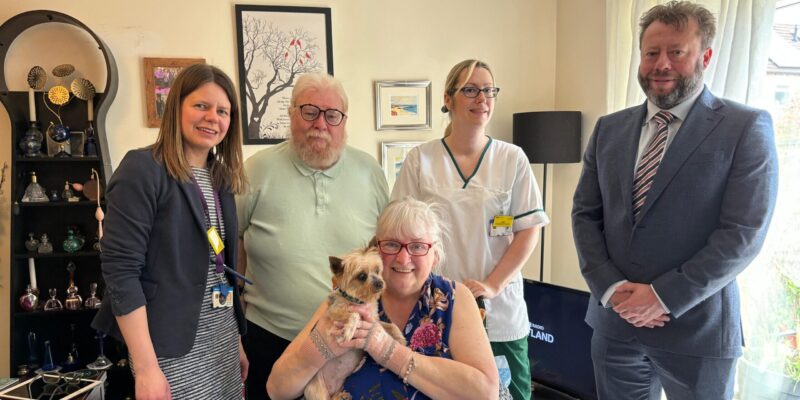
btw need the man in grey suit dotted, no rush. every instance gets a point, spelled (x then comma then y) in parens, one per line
(673, 203)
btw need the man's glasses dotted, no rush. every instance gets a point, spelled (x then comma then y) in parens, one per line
(310, 112)
(472, 92)
(392, 247)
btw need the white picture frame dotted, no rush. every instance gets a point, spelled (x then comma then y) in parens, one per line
(393, 155)
(402, 105)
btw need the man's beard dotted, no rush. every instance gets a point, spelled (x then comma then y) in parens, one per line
(318, 155)
(685, 86)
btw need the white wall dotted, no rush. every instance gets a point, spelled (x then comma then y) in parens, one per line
(372, 40)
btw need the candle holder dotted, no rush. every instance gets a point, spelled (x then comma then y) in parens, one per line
(30, 300)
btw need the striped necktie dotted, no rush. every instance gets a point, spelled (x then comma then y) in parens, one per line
(651, 159)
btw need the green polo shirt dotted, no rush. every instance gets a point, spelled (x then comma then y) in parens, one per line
(292, 218)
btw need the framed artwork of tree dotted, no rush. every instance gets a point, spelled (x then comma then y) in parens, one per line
(276, 45)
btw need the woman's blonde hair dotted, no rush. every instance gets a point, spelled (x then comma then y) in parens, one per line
(225, 160)
(452, 85)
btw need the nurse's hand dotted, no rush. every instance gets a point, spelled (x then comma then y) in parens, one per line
(479, 288)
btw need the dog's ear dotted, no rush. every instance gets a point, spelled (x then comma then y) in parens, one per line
(337, 267)
(373, 242)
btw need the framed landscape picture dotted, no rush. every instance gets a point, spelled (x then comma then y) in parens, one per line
(402, 105)
(159, 73)
(393, 155)
(277, 45)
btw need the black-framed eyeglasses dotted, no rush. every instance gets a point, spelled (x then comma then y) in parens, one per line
(472, 91)
(310, 112)
(392, 247)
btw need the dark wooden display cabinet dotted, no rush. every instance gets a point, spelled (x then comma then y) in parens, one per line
(53, 218)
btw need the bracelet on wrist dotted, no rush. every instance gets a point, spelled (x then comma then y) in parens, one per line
(409, 368)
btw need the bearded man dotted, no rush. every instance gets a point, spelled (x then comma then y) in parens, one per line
(674, 201)
(309, 198)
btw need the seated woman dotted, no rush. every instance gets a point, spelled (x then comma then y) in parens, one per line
(448, 354)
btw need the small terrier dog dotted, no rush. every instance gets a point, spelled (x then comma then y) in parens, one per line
(356, 280)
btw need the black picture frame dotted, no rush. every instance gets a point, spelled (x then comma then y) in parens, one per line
(291, 40)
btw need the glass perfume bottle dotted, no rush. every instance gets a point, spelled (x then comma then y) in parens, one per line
(93, 302)
(90, 147)
(33, 350)
(32, 244)
(73, 300)
(31, 141)
(62, 152)
(45, 247)
(47, 364)
(72, 362)
(30, 300)
(34, 193)
(71, 243)
(53, 304)
(67, 193)
(101, 362)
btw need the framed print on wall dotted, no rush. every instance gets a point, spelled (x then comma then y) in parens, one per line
(402, 105)
(393, 155)
(276, 45)
(159, 73)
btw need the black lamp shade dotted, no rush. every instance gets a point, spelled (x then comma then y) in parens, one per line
(549, 137)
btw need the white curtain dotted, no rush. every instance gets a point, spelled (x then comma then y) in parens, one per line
(739, 50)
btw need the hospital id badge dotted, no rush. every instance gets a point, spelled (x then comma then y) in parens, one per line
(215, 240)
(222, 296)
(501, 225)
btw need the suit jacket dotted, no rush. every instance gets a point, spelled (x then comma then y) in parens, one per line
(703, 221)
(155, 253)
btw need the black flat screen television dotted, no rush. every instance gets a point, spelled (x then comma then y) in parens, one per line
(559, 343)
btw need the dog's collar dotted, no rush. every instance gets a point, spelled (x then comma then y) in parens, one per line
(350, 298)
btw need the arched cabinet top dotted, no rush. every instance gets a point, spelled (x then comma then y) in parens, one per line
(17, 24)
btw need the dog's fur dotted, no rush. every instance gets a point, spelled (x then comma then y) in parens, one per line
(358, 274)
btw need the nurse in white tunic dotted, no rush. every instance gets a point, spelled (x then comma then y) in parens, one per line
(494, 210)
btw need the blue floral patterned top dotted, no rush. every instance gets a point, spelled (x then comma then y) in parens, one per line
(427, 332)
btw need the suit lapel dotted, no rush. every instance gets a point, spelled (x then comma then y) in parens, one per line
(191, 193)
(700, 122)
(632, 133)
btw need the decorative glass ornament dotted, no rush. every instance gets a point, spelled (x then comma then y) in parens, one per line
(90, 146)
(33, 351)
(93, 302)
(34, 193)
(31, 142)
(30, 300)
(58, 133)
(74, 300)
(71, 243)
(53, 304)
(45, 247)
(48, 365)
(101, 362)
(67, 193)
(32, 244)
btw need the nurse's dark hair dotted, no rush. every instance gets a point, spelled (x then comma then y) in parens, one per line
(225, 160)
(677, 14)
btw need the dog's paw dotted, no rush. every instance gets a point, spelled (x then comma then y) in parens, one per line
(349, 328)
(341, 396)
